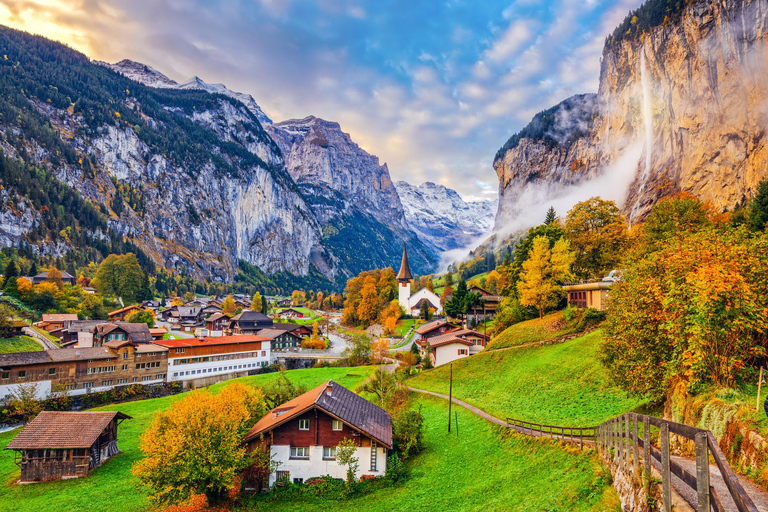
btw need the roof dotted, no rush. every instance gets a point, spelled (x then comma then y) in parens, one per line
(83, 325)
(447, 339)
(214, 340)
(122, 310)
(76, 354)
(64, 275)
(137, 332)
(431, 326)
(405, 271)
(150, 347)
(482, 290)
(352, 409)
(58, 317)
(157, 330)
(596, 285)
(250, 316)
(24, 358)
(286, 327)
(189, 311)
(274, 333)
(217, 316)
(58, 429)
(425, 299)
(465, 332)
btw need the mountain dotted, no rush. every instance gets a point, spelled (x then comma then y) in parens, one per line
(682, 105)
(152, 78)
(443, 220)
(95, 162)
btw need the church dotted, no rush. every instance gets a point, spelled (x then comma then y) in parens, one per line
(411, 304)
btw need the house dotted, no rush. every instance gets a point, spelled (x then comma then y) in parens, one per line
(191, 315)
(217, 323)
(42, 277)
(79, 332)
(446, 348)
(153, 305)
(211, 309)
(158, 333)
(59, 445)
(55, 322)
(89, 289)
(17, 328)
(121, 331)
(281, 339)
(284, 303)
(302, 434)
(194, 361)
(123, 313)
(588, 295)
(487, 308)
(297, 329)
(249, 322)
(432, 329)
(411, 303)
(292, 313)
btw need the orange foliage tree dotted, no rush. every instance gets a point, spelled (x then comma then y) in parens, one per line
(379, 350)
(195, 447)
(380, 288)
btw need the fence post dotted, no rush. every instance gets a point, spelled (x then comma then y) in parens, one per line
(627, 443)
(666, 478)
(702, 472)
(635, 447)
(647, 446)
(620, 439)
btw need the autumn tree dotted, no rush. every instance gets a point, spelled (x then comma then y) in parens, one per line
(298, 298)
(673, 217)
(513, 267)
(145, 316)
(256, 303)
(380, 350)
(55, 277)
(368, 308)
(543, 272)
(120, 276)
(598, 236)
(195, 447)
(314, 341)
(177, 301)
(228, 306)
(385, 291)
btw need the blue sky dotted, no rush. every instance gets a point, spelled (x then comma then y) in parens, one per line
(433, 88)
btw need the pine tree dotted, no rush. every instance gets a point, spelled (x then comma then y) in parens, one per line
(11, 270)
(758, 208)
(33, 269)
(264, 305)
(551, 216)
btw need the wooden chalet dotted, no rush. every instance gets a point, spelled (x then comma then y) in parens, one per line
(302, 434)
(250, 322)
(281, 339)
(589, 295)
(217, 323)
(120, 331)
(292, 313)
(158, 333)
(61, 445)
(42, 277)
(432, 329)
(297, 329)
(55, 323)
(123, 313)
(487, 307)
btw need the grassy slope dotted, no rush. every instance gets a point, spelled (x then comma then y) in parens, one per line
(550, 327)
(113, 487)
(481, 469)
(561, 384)
(19, 344)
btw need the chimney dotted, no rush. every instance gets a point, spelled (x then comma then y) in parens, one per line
(328, 389)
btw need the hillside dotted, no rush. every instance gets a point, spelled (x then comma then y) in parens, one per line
(560, 384)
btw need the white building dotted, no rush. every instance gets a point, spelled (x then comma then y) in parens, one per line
(411, 304)
(302, 434)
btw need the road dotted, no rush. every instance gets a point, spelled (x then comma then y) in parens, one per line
(45, 342)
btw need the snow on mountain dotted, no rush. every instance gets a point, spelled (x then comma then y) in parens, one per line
(152, 78)
(441, 218)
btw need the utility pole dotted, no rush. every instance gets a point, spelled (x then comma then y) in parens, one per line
(450, 399)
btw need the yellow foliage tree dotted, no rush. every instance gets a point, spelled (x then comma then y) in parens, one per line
(390, 324)
(196, 447)
(256, 304)
(24, 286)
(314, 341)
(379, 350)
(298, 298)
(492, 281)
(543, 271)
(55, 277)
(177, 301)
(367, 310)
(228, 306)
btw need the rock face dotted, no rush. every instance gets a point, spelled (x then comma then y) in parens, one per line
(681, 107)
(442, 218)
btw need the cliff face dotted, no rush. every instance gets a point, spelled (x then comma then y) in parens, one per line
(683, 106)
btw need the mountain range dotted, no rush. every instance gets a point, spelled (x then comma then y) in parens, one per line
(195, 176)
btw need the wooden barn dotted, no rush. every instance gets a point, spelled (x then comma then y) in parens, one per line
(61, 445)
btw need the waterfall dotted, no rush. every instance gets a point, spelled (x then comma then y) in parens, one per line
(645, 84)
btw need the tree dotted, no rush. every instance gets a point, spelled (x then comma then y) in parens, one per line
(380, 350)
(757, 218)
(196, 447)
(673, 217)
(511, 268)
(55, 277)
(264, 305)
(424, 310)
(543, 271)
(178, 301)
(23, 402)
(33, 269)
(120, 276)
(228, 306)
(456, 307)
(598, 236)
(314, 341)
(345, 456)
(189, 297)
(448, 279)
(407, 432)
(298, 298)
(390, 325)
(368, 308)
(256, 303)
(11, 270)
(6, 321)
(358, 352)
(145, 316)
(551, 216)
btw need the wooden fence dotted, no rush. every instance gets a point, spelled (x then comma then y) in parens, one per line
(619, 440)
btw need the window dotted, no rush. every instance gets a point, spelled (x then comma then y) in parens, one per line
(298, 481)
(22, 373)
(6, 375)
(179, 350)
(51, 371)
(122, 381)
(336, 425)
(462, 351)
(125, 355)
(299, 452)
(303, 424)
(106, 383)
(87, 385)
(283, 475)
(125, 367)
(329, 452)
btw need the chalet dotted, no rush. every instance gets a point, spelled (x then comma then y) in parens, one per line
(153, 305)
(249, 322)
(302, 434)
(284, 303)
(292, 313)
(121, 331)
(281, 339)
(42, 277)
(432, 329)
(59, 445)
(217, 323)
(191, 359)
(17, 328)
(452, 345)
(588, 295)
(79, 332)
(297, 329)
(55, 322)
(119, 315)
(487, 307)
(191, 315)
(211, 309)
(170, 314)
(157, 333)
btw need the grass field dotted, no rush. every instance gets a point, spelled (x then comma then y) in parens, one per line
(19, 344)
(403, 326)
(550, 327)
(483, 468)
(310, 318)
(561, 384)
(113, 487)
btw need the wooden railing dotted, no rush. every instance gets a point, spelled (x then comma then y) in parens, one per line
(619, 440)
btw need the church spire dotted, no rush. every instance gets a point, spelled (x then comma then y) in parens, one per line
(405, 271)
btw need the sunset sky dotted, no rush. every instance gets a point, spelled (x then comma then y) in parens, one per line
(432, 88)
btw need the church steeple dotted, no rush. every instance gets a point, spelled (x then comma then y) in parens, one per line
(405, 271)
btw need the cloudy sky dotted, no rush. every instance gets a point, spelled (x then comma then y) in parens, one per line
(433, 88)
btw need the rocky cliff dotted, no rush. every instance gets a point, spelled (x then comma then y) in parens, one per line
(682, 105)
(442, 218)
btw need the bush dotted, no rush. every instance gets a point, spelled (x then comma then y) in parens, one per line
(396, 469)
(407, 432)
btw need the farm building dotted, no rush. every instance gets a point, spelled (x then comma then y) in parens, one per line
(61, 445)
(302, 434)
(588, 295)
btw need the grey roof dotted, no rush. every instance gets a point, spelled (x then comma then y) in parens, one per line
(286, 327)
(189, 311)
(248, 316)
(139, 333)
(357, 411)
(83, 325)
(23, 358)
(274, 333)
(77, 354)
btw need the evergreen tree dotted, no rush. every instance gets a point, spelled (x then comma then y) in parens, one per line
(11, 270)
(33, 271)
(424, 310)
(457, 306)
(551, 216)
(264, 305)
(758, 208)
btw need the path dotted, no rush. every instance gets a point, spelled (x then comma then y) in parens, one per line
(45, 342)
(758, 495)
